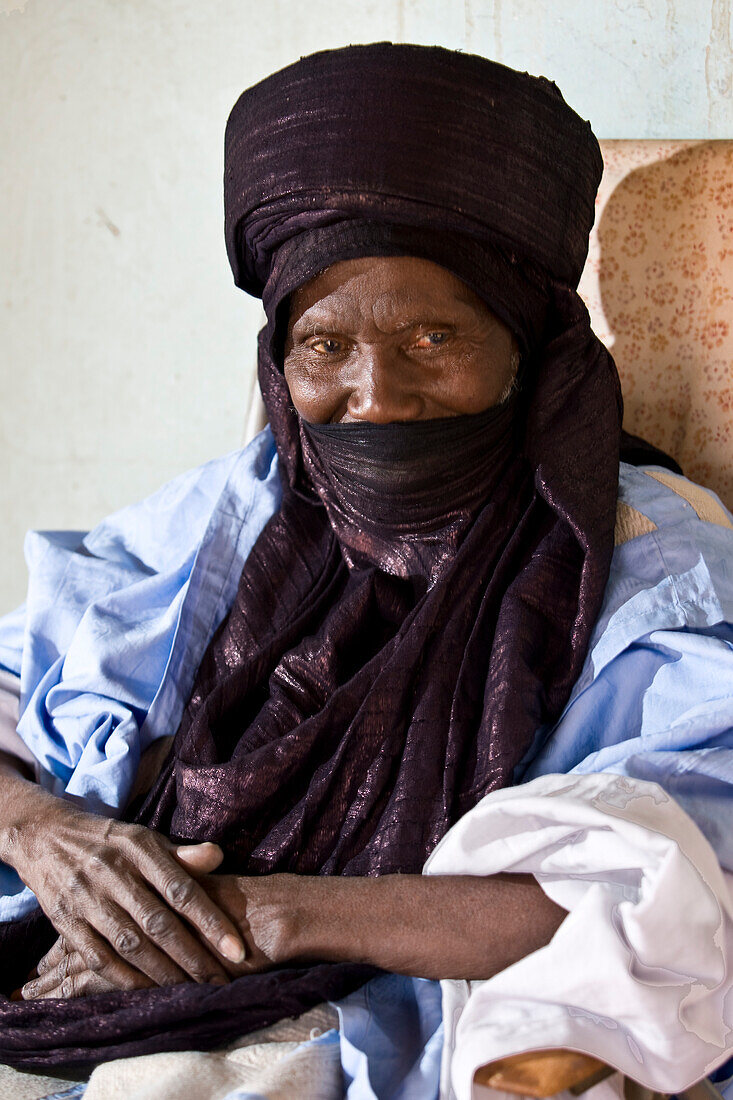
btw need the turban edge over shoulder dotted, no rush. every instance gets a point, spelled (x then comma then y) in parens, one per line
(392, 652)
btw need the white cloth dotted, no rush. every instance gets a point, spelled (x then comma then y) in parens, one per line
(623, 979)
(276, 1063)
(17, 1085)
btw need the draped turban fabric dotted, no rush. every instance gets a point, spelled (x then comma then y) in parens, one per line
(376, 677)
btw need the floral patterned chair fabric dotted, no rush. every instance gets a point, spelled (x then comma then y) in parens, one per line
(659, 287)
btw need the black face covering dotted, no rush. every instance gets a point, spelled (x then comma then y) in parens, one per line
(400, 495)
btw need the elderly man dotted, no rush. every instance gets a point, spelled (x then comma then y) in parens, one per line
(401, 601)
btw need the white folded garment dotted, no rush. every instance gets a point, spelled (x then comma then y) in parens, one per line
(639, 972)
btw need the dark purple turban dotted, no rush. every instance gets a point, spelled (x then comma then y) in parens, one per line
(413, 619)
(444, 155)
(408, 136)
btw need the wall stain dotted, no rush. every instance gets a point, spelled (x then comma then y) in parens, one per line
(7, 7)
(498, 45)
(667, 59)
(468, 25)
(106, 221)
(719, 65)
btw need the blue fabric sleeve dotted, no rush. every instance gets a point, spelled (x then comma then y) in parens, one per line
(12, 629)
(116, 622)
(655, 697)
(662, 710)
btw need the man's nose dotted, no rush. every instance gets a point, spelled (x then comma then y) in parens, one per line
(382, 389)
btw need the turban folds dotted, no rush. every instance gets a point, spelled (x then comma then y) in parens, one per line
(410, 136)
(409, 150)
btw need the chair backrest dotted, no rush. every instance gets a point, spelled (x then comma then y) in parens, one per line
(659, 287)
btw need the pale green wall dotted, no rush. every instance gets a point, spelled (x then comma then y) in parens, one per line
(127, 353)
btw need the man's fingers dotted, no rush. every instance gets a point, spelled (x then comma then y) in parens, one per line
(147, 932)
(153, 941)
(80, 985)
(198, 859)
(113, 895)
(171, 935)
(116, 949)
(114, 974)
(53, 957)
(134, 902)
(183, 894)
(69, 964)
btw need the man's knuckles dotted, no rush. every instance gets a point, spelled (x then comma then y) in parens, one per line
(179, 891)
(159, 924)
(127, 941)
(135, 840)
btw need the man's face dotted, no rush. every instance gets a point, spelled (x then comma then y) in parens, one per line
(393, 338)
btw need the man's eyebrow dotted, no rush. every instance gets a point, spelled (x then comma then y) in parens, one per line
(427, 317)
(319, 317)
(314, 318)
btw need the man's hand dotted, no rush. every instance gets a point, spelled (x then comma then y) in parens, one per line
(121, 897)
(64, 973)
(257, 906)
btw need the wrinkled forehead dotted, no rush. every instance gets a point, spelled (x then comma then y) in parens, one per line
(389, 292)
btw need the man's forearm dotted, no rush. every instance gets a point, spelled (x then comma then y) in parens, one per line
(19, 796)
(452, 927)
(430, 927)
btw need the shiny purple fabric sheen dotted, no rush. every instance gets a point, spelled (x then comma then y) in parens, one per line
(372, 683)
(73, 1036)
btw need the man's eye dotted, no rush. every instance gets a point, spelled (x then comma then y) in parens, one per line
(325, 346)
(431, 339)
